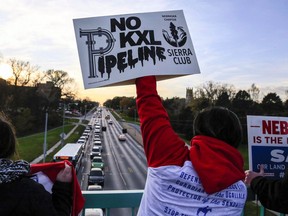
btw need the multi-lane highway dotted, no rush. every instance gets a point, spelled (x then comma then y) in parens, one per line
(125, 163)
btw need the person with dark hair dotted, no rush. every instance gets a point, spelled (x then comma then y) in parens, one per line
(205, 179)
(19, 194)
(272, 193)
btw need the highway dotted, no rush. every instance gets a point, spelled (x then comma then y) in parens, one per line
(125, 162)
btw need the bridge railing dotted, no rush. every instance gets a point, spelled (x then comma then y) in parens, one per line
(109, 199)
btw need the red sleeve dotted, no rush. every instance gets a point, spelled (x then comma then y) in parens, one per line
(161, 144)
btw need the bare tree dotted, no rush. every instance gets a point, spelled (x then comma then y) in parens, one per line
(254, 92)
(212, 91)
(61, 80)
(70, 91)
(37, 78)
(22, 72)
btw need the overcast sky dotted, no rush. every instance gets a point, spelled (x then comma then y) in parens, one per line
(238, 42)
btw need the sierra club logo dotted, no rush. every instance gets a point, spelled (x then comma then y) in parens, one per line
(100, 42)
(175, 38)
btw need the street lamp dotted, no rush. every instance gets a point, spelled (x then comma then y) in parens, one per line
(63, 125)
(49, 92)
(45, 135)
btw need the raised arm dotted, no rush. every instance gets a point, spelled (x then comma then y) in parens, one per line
(161, 144)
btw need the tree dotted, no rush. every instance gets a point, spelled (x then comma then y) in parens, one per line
(174, 105)
(199, 103)
(37, 78)
(272, 104)
(223, 100)
(24, 121)
(211, 92)
(286, 108)
(5, 95)
(254, 92)
(115, 103)
(127, 102)
(242, 103)
(22, 72)
(70, 91)
(186, 117)
(61, 80)
(108, 103)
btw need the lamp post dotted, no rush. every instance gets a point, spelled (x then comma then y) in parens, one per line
(85, 111)
(45, 135)
(49, 92)
(63, 126)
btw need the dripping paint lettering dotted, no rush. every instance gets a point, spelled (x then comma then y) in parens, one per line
(127, 29)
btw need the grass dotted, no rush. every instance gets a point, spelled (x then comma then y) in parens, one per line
(30, 147)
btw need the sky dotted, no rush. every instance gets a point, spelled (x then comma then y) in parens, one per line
(238, 42)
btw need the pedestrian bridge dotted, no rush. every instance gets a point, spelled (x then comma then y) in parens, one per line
(109, 199)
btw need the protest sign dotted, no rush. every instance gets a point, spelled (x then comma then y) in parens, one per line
(114, 50)
(267, 144)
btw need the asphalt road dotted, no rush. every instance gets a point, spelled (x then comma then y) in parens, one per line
(125, 163)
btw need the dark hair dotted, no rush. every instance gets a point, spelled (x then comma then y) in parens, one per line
(7, 137)
(220, 123)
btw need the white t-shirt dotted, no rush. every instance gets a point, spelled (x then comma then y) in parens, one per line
(170, 185)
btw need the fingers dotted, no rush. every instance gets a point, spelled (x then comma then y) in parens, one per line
(247, 177)
(262, 169)
(65, 175)
(250, 175)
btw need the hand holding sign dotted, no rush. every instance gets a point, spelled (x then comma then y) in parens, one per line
(65, 175)
(250, 175)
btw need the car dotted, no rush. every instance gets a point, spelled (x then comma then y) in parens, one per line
(97, 141)
(110, 121)
(96, 176)
(122, 137)
(94, 212)
(96, 151)
(97, 136)
(98, 145)
(86, 134)
(97, 130)
(82, 140)
(94, 187)
(97, 162)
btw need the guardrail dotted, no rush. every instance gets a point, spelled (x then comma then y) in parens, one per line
(109, 199)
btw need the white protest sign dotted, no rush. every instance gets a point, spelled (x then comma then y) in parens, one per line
(114, 50)
(268, 142)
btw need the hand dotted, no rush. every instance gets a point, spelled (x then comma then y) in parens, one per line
(250, 175)
(65, 175)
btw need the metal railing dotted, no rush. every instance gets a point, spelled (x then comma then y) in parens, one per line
(109, 199)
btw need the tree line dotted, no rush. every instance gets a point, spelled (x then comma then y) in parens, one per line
(182, 111)
(29, 94)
